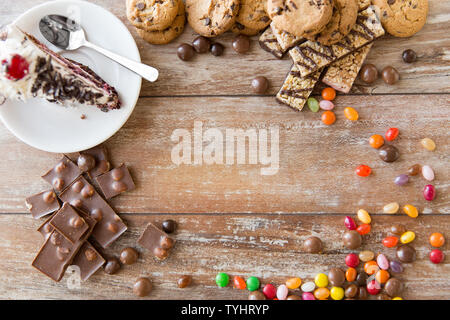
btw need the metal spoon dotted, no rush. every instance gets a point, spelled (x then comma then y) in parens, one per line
(67, 34)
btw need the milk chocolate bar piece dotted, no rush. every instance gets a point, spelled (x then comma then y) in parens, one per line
(269, 43)
(62, 175)
(42, 204)
(102, 164)
(115, 182)
(285, 39)
(83, 196)
(69, 223)
(296, 90)
(311, 56)
(342, 74)
(157, 241)
(88, 260)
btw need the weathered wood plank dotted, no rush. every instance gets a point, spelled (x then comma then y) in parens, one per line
(231, 74)
(316, 162)
(264, 246)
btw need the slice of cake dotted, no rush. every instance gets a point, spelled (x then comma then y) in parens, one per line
(28, 69)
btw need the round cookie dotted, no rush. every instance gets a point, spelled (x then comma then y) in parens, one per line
(402, 18)
(252, 14)
(300, 17)
(342, 21)
(168, 34)
(238, 28)
(152, 15)
(211, 18)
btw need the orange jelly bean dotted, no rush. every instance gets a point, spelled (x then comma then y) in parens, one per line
(351, 114)
(363, 229)
(239, 283)
(328, 118)
(363, 171)
(382, 276)
(350, 274)
(437, 239)
(321, 293)
(376, 141)
(390, 242)
(371, 267)
(328, 94)
(293, 283)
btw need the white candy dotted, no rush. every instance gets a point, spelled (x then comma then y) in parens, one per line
(428, 173)
(282, 292)
(308, 287)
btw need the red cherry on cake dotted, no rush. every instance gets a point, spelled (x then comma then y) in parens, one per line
(16, 68)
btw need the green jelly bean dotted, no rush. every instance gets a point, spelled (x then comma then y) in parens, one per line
(313, 104)
(222, 279)
(252, 283)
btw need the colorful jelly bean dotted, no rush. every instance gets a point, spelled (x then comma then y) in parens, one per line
(428, 144)
(222, 279)
(392, 134)
(308, 296)
(382, 262)
(282, 292)
(397, 298)
(428, 173)
(351, 114)
(391, 208)
(366, 255)
(321, 293)
(390, 242)
(239, 283)
(373, 287)
(363, 170)
(326, 105)
(376, 141)
(352, 260)
(396, 266)
(414, 170)
(401, 180)
(328, 94)
(411, 211)
(429, 192)
(364, 216)
(407, 237)
(349, 223)
(350, 274)
(321, 280)
(436, 256)
(363, 229)
(337, 293)
(270, 291)
(293, 283)
(313, 104)
(328, 117)
(437, 239)
(308, 286)
(382, 276)
(371, 267)
(252, 283)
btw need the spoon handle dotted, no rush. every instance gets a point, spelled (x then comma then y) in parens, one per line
(146, 72)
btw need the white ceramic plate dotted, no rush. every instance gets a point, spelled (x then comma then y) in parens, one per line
(55, 128)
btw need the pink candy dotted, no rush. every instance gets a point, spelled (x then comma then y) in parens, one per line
(308, 296)
(326, 105)
(382, 261)
(282, 292)
(349, 223)
(270, 291)
(429, 193)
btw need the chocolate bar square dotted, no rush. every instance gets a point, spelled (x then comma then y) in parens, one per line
(102, 164)
(157, 241)
(115, 182)
(69, 223)
(62, 175)
(42, 204)
(269, 43)
(88, 260)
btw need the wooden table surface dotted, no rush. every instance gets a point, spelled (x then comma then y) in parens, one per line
(231, 218)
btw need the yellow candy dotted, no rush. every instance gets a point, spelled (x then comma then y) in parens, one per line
(407, 237)
(293, 283)
(397, 298)
(364, 216)
(391, 207)
(321, 280)
(321, 293)
(411, 211)
(337, 293)
(428, 144)
(351, 114)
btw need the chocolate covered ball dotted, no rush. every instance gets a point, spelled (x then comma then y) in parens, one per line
(368, 73)
(184, 281)
(388, 153)
(406, 253)
(409, 56)
(256, 295)
(185, 52)
(217, 49)
(352, 239)
(351, 291)
(201, 44)
(86, 162)
(336, 277)
(260, 85)
(112, 265)
(129, 256)
(313, 245)
(390, 75)
(361, 279)
(169, 226)
(142, 287)
(241, 44)
(393, 287)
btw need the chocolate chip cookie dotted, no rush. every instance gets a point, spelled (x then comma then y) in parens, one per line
(152, 15)
(402, 18)
(211, 18)
(300, 17)
(342, 21)
(252, 14)
(168, 34)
